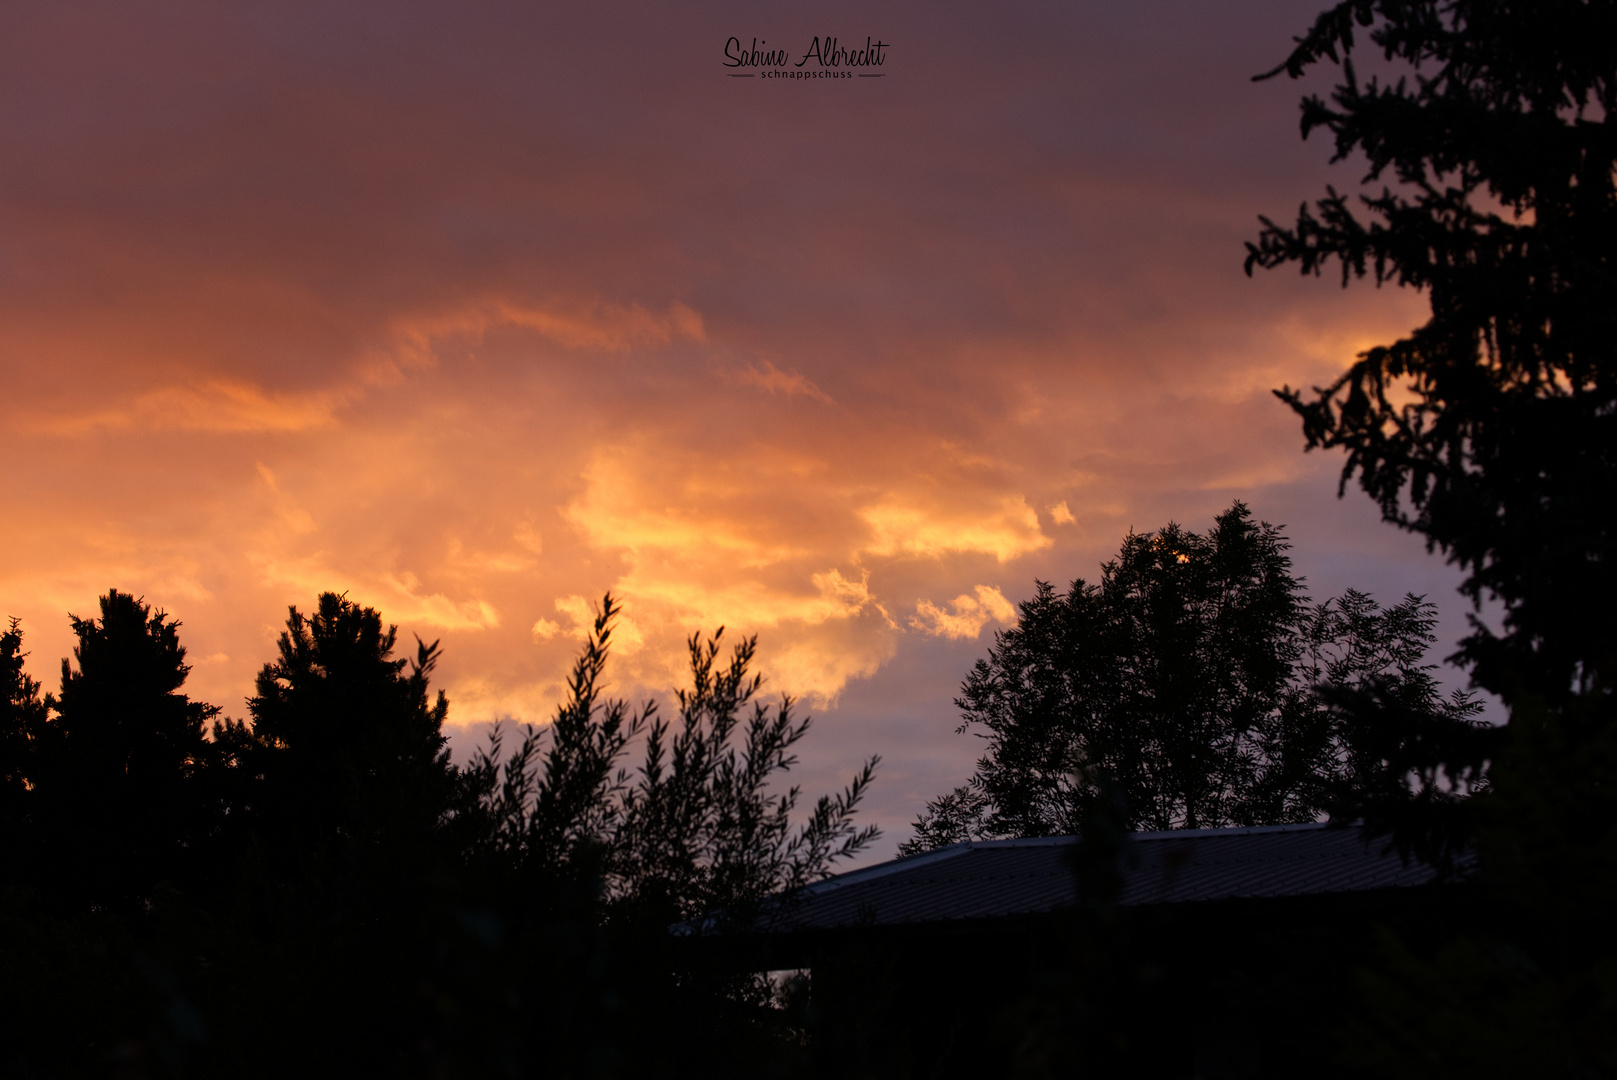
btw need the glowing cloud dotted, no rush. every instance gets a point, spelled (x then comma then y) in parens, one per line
(968, 615)
(218, 405)
(425, 309)
(1005, 528)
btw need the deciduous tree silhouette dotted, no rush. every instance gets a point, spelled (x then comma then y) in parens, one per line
(1359, 733)
(694, 833)
(1185, 682)
(696, 829)
(702, 834)
(553, 805)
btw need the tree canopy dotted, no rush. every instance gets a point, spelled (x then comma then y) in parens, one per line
(115, 771)
(321, 882)
(696, 830)
(1185, 679)
(22, 714)
(1491, 429)
(347, 736)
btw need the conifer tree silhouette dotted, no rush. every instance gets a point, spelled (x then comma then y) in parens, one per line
(120, 803)
(1491, 431)
(22, 720)
(348, 741)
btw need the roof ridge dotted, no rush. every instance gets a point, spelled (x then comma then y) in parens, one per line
(964, 847)
(1233, 830)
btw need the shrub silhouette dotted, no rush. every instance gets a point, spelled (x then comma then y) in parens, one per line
(319, 888)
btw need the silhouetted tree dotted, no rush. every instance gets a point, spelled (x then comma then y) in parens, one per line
(119, 805)
(696, 829)
(106, 819)
(22, 716)
(366, 907)
(343, 799)
(554, 803)
(693, 834)
(1491, 430)
(1362, 716)
(1186, 679)
(349, 743)
(701, 832)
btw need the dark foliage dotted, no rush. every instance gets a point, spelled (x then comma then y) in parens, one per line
(1187, 680)
(1364, 734)
(319, 889)
(694, 835)
(117, 800)
(22, 719)
(700, 831)
(695, 831)
(1491, 430)
(346, 739)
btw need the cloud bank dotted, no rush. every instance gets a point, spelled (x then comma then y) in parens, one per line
(476, 312)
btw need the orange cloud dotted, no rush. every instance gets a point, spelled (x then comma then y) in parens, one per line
(216, 405)
(969, 614)
(1005, 527)
(607, 326)
(596, 325)
(430, 311)
(769, 377)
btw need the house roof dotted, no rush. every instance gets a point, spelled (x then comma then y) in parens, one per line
(1007, 878)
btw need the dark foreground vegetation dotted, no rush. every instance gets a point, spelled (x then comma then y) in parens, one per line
(319, 890)
(1488, 144)
(1197, 687)
(1491, 430)
(1193, 687)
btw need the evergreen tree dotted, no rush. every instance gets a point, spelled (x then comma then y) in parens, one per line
(327, 925)
(1491, 430)
(22, 719)
(367, 907)
(120, 803)
(348, 743)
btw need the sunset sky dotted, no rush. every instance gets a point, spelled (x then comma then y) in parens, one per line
(476, 311)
